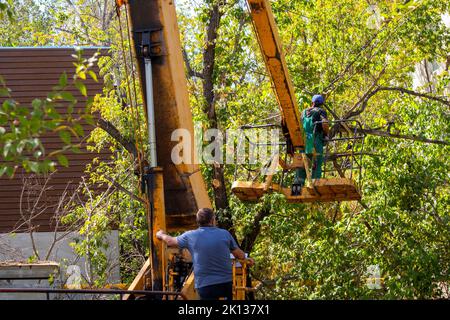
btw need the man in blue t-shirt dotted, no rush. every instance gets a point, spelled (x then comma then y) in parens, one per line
(210, 249)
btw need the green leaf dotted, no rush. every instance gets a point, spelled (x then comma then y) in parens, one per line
(52, 113)
(20, 146)
(89, 119)
(89, 103)
(69, 109)
(93, 75)
(5, 92)
(8, 105)
(82, 75)
(37, 104)
(68, 96)
(62, 159)
(10, 171)
(6, 149)
(65, 136)
(78, 128)
(33, 166)
(63, 80)
(75, 150)
(81, 87)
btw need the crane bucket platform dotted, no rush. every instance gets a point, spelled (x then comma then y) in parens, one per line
(342, 162)
(322, 190)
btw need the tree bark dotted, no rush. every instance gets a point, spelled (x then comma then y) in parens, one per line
(249, 240)
(209, 55)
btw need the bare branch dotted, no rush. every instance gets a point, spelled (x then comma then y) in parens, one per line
(387, 134)
(191, 73)
(417, 94)
(398, 89)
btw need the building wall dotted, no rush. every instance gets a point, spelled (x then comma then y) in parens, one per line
(31, 73)
(19, 247)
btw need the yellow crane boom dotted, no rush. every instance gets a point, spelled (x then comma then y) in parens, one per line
(271, 48)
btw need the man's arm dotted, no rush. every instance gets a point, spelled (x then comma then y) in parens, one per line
(171, 241)
(325, 124)
(239, 254)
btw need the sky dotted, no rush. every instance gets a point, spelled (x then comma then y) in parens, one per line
(446, 19)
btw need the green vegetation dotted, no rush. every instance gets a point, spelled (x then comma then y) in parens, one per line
(366, 59)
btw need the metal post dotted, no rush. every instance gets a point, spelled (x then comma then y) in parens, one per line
(150, 112)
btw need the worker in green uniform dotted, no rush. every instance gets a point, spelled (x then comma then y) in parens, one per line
(315, 127)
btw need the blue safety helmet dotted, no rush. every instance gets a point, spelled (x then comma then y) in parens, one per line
(318, 99)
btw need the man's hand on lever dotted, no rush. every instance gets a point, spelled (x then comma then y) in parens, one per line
(160, 234)
(171, 241)
(239, 254)
(250, 262)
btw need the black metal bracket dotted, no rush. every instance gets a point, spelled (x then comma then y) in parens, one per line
(149, 43)
(147, 182)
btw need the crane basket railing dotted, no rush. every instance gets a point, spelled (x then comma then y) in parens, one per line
(342, 156)
(344, 150)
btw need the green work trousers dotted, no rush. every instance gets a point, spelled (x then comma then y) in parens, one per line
(300, 173)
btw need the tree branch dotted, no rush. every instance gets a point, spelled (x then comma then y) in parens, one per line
(398, 89)
(209, 109)
(387, 134)
(417, 94)
(191, 73)
(209, 55)
(250, 238)
(367, 93)
(113, 132)
(123, 189)
(350, 64)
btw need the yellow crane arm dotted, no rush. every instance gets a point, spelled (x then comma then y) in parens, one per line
(269, 40)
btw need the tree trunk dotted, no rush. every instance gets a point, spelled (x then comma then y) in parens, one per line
(250, 238)
(209, 55)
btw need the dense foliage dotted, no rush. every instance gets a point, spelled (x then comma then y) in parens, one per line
(385, 64)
